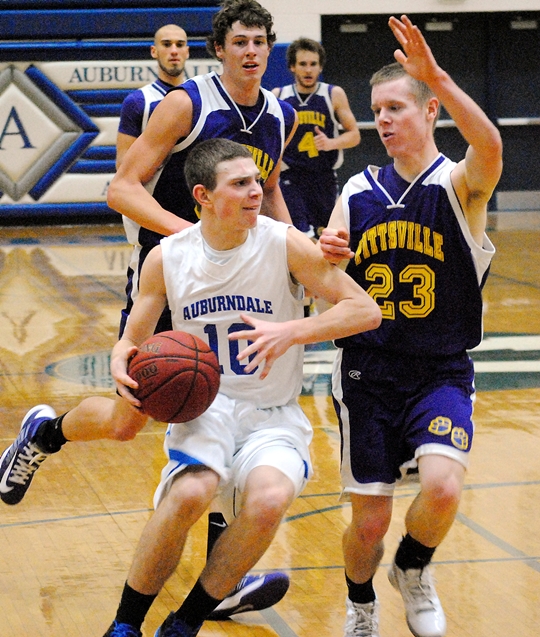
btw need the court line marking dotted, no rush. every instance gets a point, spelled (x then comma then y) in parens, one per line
(276, 621)
(407, 493)
(498, 542)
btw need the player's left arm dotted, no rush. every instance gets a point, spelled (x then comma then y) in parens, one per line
(143, 318)
(476, 176)
(350, 136)
(352, 311)
(273, 203)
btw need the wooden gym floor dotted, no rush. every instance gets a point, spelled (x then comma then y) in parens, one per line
(65, 550)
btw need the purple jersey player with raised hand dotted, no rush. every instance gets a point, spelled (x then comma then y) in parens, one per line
(404, 392)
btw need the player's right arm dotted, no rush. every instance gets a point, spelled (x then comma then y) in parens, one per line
(352, 311)
(170, 121)
(130, 125)
(145, 313)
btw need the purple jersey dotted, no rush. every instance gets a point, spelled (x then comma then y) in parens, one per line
(139, 105)
(415, 255)
(314, 109)
(406, 389)
(262, 128)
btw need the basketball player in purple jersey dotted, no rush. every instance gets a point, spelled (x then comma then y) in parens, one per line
(170, 49)
(405, 391)
(308, 177)
(232, 105)
(149, 188)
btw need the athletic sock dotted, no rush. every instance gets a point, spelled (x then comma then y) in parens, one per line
(361, 593)
(197, 606)
(216, 526)
(49, 436)
(133, 607)
(413, 554)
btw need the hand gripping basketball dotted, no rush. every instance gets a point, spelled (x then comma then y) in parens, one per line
(178, 376)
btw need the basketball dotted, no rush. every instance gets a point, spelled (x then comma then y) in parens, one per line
(178, 376)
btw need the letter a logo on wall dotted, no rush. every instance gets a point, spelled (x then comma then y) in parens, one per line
(42, 132)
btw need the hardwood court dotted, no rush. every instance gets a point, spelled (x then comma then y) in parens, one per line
(65, 550)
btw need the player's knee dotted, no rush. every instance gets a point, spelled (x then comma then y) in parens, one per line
(443, 494)
(127, 428)
(124, 432)
(124, 423)
(267, 507)
(441, 481)
(370, 521)
(369, 532)
(191, 494)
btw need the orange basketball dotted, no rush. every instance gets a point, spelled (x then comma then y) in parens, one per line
(178, 376)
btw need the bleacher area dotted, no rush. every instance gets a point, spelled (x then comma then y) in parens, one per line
(74, 61)
(38, 37)
(36, 30)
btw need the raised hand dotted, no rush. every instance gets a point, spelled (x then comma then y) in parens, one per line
(416, 56)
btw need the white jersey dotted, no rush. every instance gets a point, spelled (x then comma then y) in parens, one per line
(206, 298)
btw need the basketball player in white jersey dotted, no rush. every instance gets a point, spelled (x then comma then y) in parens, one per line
(254, 438)
(170, 49)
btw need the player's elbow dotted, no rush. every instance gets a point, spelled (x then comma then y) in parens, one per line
(372, 316)
(112, 194)
(492, 149)
(496, 138)
(113, 197)
(355, 137)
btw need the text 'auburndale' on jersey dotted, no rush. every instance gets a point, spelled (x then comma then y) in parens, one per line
(395, 234)
(226, 303)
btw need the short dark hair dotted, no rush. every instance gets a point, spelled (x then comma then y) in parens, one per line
(305, 44)
(203, 159)
(248, 12)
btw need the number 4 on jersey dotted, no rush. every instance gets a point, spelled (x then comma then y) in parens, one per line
(307, 145)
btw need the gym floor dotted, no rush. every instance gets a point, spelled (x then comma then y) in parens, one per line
(66, 549)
